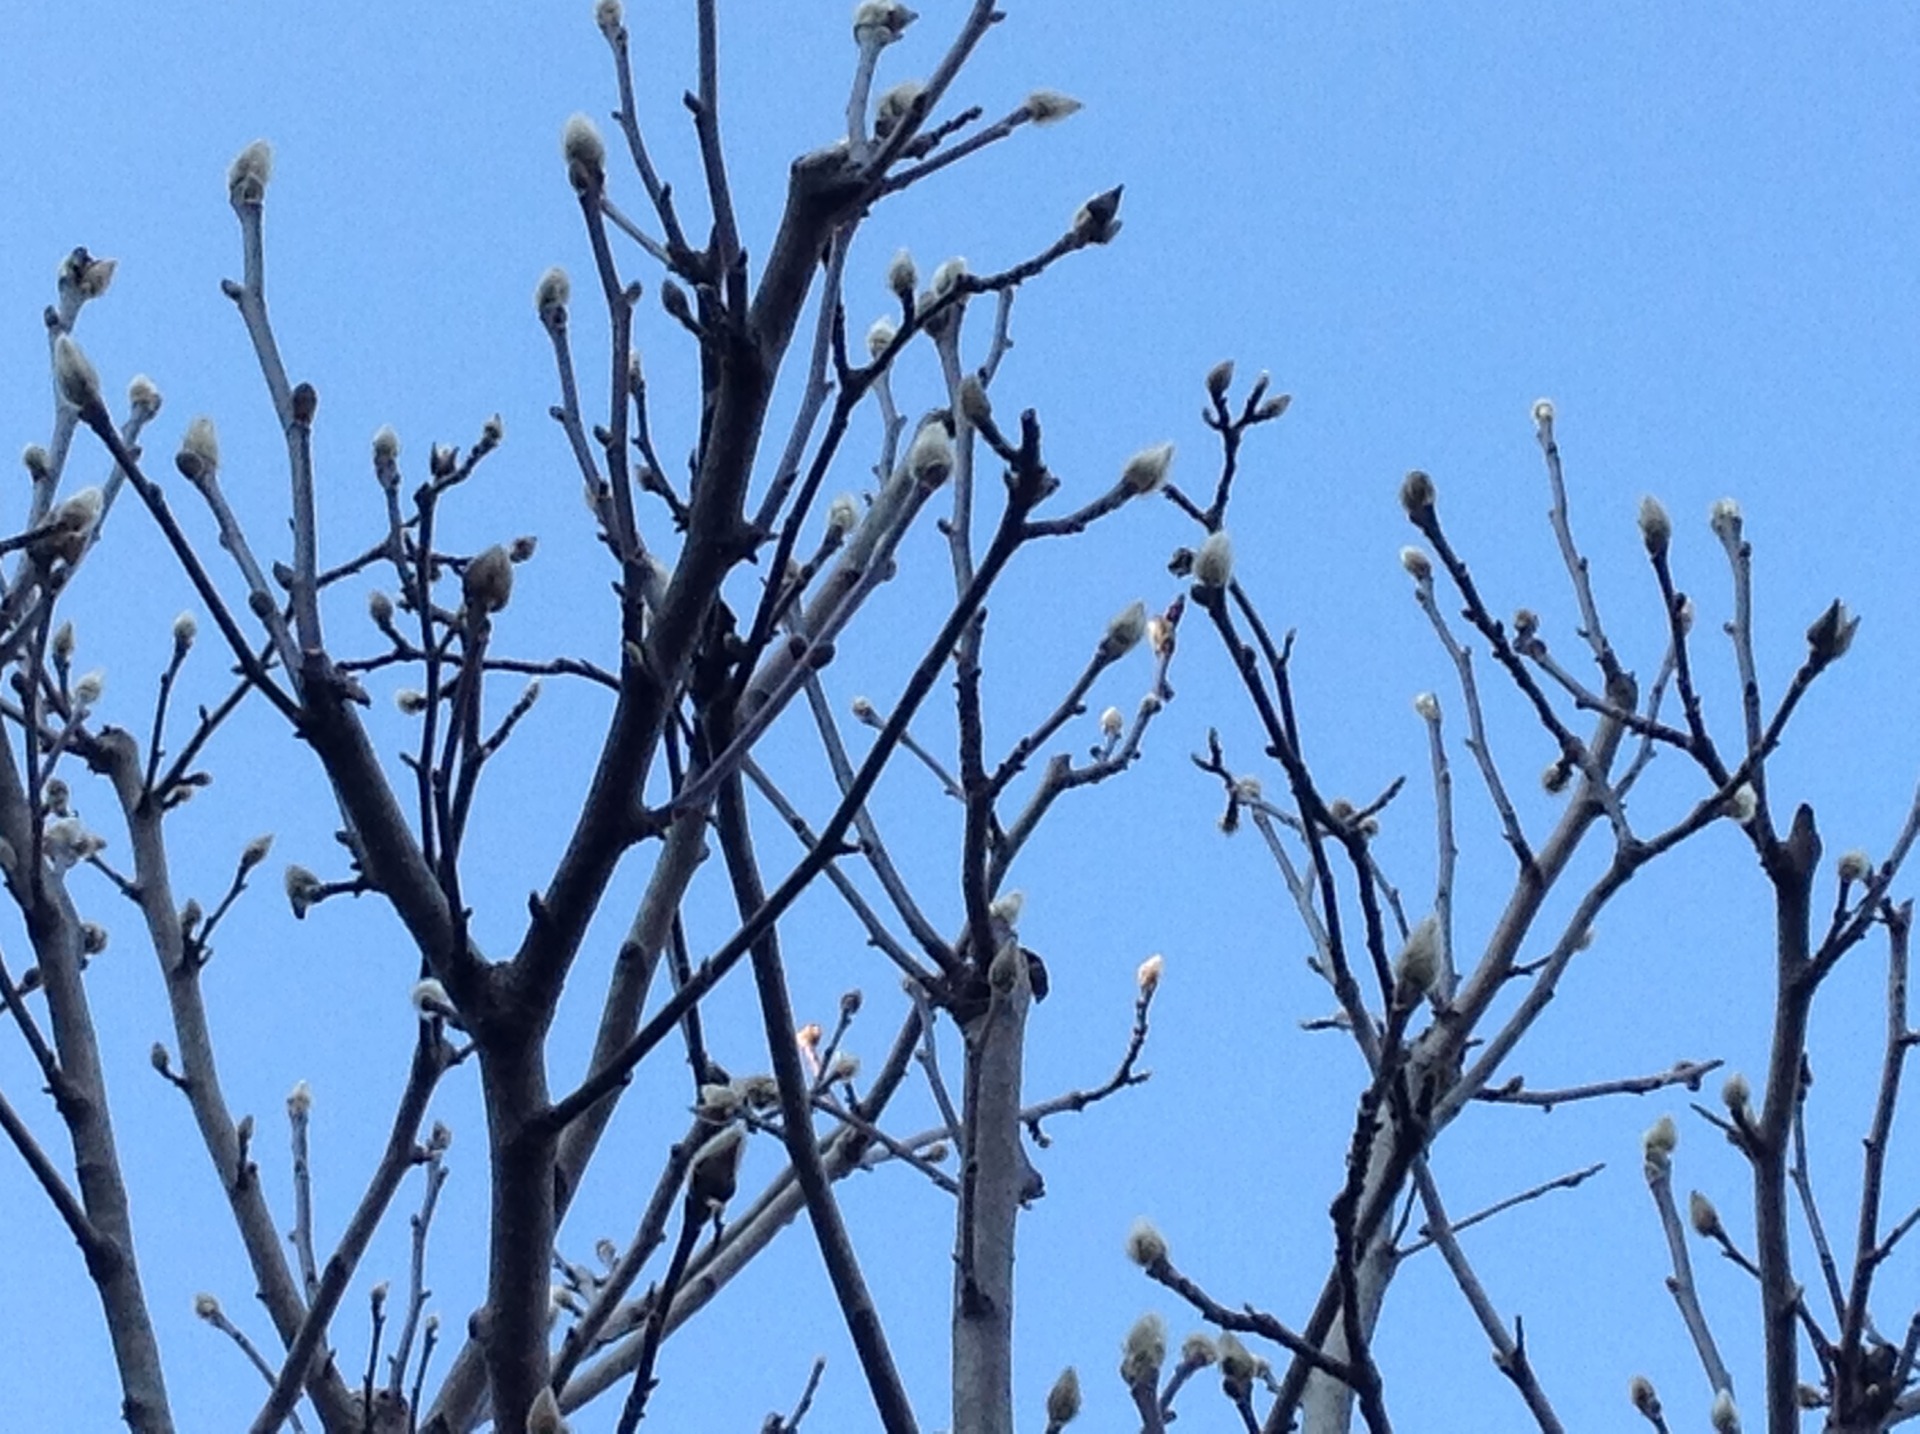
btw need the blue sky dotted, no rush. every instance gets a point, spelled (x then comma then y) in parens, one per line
(1692, 226)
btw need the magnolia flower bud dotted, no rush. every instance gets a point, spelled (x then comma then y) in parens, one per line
(1213, 564)
(880, 336)
(1702, 1216)
(1050, 106)
(893, 106)
(1736, 1093)
(1144, 1352)
(88, 688)
(948, 275)
(379, 607)
(552, 294)
(1124, 631)
(1660, 1141)
(1146, 1246)
(1856, 866)
(1146, 471)
(303, 890)
(247, 176)
(1428, 706)
(1197, 1350)
(1097, 221)
(902, 277)
(586, 153)
(930, 458)
(1831, 634)
(1147, 978)
(1656, 528)
(300, 1099)
(199, 455)
(1112, 723)
(610, 16)
(487, 584)
(255, 851)
(186, 627)
(974, 402)
(1543, 410)
(1063, 1400)
(881, 22)
(206, 1306)
(1416, 494)
(430, 999)
(142, 395)
(843, 515)
(1418, 565)
(74, 373)
(1417, 966)
(1725, 1416)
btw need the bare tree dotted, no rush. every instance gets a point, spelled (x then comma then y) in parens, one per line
(732, 593)
(1433, 1011)
(735, 585)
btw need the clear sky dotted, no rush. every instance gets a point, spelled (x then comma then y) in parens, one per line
(1692, 226)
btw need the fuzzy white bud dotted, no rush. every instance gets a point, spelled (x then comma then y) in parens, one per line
(1112, 723)
(880, 336)
(1417, 966)
(74, 373)
(199, 455)
(843, 515)
(487, 584)
(186, 627)
(1428, 706)
(303, 890)
(585, 151)
(902, 277)
(1213, 564)
(1418, 565)
(1124, 631)
(1146, 1246)
(247, 176)
(142, 395)
(1725, 1415)
(1856, 866)
(1660, 1141)
(1147, 978)
(1543, 410)
(948, 275)
(1656, 528)
(430, 999)
(1144, 1352)
(930, 457)
(1146, 471)
(1050, 106)
(554, 291)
